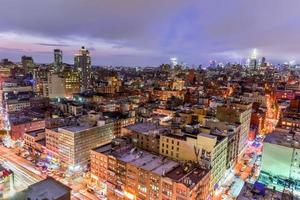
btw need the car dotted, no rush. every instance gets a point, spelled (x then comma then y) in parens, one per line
(51, 169)
(25, 155)
(50, 174)
(243, 168)
(90, 190)
(29, 158)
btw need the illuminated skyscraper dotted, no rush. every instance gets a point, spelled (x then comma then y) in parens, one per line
(253, 61)
(173, 62)
(82, 61)
(58, 56)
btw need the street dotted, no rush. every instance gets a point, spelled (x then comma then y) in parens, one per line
(246, 170)
(26, 174)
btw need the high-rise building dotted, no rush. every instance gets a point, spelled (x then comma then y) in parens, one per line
(75, 143)
(55, 86)
(58, 56)
(27, 63)
(173, 62)
(253, 59)
(263, 62)
(62, 85)
(82, 61)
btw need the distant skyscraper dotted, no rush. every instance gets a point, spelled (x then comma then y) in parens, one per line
(253, 61)
(27, 63)
(263, 62)
(58, 56)
(173, 62)
(212, 63)
(82, 61)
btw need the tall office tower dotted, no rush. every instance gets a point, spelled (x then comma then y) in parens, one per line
(253, 61)
(263, 62)
(82, 61)
(58, 56)
(27, 63)
(173, 62)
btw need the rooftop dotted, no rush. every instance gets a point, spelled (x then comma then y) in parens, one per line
(42, 141)
(35, 133)
(114, 115)
(250, 192)
(47, 189)
(145, 128)
(188, 174)
(284, 137)
(16, 120)
(75, 128)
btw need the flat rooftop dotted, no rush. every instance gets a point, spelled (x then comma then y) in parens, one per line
(47, 189)
(249, 193)
(145, 128)
(148, 161)
(36, 132)
(75, 129)
(180, 136)
(16, 120)
(284, 137)
(188, 175)
(114, 115)
(156, 164)
(42, 141)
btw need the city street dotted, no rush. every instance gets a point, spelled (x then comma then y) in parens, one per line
(26, 174)
(246, 170)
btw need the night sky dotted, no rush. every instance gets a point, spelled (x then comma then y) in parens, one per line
(149, 32)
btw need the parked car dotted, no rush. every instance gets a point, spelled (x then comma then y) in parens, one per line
(29, 158)
(25, 154)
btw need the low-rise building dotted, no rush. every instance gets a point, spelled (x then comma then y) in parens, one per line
(207, 148)
(24, 124)
(146, 135)
(45, 189)
(32, 139)
(260, 191)
(281, 160)
(237, 113)
(133, 173)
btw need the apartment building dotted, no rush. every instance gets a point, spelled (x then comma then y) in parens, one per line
(133, 173)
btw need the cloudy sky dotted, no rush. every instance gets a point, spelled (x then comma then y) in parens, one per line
(149, 32)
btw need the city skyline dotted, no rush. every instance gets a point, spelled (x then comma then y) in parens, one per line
(149, 33)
